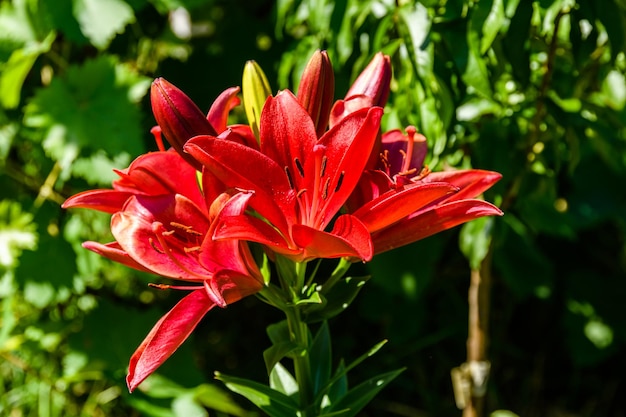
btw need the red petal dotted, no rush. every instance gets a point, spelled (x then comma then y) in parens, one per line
(167, 335)
(114, 252)
(223, 104)
(471, 182)
(108, 201)
(395, 205)
(144, 221)
(287, 133)
(348, 147)
(349, 238)
(241, 167)
(430, 222)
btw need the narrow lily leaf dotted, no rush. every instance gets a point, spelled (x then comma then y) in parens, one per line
(282, 380)
(359, 396)
(341, 371)
(320, 357)
(278, 351)
(337, 300)
(278, 332)
(270, 401)
(339, 388)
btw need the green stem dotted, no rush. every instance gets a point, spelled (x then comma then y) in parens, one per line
(299, 334)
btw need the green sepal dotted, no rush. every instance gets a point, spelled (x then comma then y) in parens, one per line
(272, 402)
(335, 301)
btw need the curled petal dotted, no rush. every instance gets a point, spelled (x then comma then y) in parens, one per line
(223, 104)
(167, 335)
(395, 205)
(471, 182)
(114, 252)
(349, 238)
(432, 221)
(108, 201)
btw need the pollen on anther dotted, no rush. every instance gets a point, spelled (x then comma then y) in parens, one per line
(323, 168)
(151, 241)
(325, 191)
(192, 249)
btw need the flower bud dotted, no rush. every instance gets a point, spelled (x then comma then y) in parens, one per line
(317, 89)
(256, 90)
(178, 117)
(371, 88)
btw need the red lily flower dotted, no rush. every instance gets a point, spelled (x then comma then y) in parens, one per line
(163, 223)
(402, 202)
(299, 181)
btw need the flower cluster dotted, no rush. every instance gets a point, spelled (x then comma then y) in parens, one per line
(308, 178)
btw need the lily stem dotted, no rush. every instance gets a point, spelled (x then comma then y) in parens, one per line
(299, 333)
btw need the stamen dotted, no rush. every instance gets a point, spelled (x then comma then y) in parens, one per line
(323, 168)
(299, 166)
(192, 249)
(151, 241)
(302, 191)
(289, 179)
(174, 287)
(187, 229)
(340, 180)
(325, 190)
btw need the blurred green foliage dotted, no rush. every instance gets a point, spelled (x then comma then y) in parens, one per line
(533, 89)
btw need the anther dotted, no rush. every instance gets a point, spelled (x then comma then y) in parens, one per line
(151, 241)
(302, 191)
(325, 191)
(340, 180)
(299, 166)
(192, 249)
(289, 179)
(323, 169)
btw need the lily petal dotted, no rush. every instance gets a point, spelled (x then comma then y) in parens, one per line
(167, 335)
(430, 222)
(349, 238)
(223, 104)
(114, 252)
(108, 201)
(471, 182)
(394, 205)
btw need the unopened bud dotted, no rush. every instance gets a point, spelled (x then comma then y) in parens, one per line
(317, 89)
(256, 89)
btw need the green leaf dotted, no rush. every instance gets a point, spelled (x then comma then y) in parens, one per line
(213, 397)
(186, 406)
(98, 168)
(337, 299)
(494, 22)
(14, 72)
(320, 358)
(17, 233)
(475, 238)
(282, 380)
(279, 350)
(89, 106)
(101, 20)
(358, 397)
(272, 402)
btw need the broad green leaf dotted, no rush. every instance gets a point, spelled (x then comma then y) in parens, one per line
(18, 232)
(215, 398)
(272, 402)
(418, 24)
(494, 22)
(186, 406)
(320, 357)
(89, 106)
(17, 68)
(148, 408)
(101, 20)
(475, 238)
(359, 396)
(282, 380)
(98, 168)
